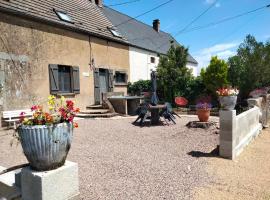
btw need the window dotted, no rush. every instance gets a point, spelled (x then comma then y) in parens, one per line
(63, 16)
(153, 60)
(64, 79)
(115, 32)
(120, 77)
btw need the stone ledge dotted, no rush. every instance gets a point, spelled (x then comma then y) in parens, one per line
(58, 184)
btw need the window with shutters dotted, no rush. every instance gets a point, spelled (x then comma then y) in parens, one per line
(64, 79)
(120, 77)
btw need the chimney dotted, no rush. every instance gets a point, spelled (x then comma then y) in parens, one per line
(99, 2)
(156, 25)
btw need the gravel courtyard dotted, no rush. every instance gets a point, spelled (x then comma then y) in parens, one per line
(118, 160)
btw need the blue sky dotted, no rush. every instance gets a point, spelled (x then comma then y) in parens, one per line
(222, 39)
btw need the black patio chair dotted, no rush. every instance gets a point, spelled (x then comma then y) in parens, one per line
(143, 113)
(168, 114)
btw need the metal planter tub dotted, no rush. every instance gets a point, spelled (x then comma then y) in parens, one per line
(46, 147)
(227, 102)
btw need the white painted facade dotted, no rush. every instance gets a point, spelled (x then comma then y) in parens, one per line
(141, 65)
(193, 67)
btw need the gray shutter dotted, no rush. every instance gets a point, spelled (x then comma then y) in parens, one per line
(53, 76)
(97, 87)
(76, 80)
(111, 79)
(126, 78)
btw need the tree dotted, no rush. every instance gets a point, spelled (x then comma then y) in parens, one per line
(215, 75)
(173, 75)
(250, 68)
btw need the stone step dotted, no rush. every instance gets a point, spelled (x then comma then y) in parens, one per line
(94, 111)
(94, 107)
(105, 115)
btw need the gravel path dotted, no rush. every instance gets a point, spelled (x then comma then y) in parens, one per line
(118, 160)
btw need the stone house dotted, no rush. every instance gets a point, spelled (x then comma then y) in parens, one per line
(146, 44)
(61, 48)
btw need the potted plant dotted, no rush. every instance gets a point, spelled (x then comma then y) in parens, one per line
(203, 111)
(46, 136)
(227, 97)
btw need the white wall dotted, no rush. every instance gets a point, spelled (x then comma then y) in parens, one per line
(141, 66)
(237, 131)
(194, 68)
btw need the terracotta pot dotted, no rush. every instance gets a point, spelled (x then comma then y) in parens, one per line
(203, 114)
(227, 102)
(46, 147)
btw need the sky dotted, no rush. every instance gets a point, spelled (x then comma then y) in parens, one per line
(221, 39)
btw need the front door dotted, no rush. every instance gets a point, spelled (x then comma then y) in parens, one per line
(103, 83)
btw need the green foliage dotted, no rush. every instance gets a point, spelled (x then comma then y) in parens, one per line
(215, 75)
(138, 87)
(195, 88)
(250, 68)
(173, 75)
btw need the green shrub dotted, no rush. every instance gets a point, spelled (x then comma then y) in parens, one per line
(138, 87)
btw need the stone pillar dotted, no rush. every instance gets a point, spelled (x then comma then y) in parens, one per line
(58, 184)
(227, 120)
(263, 104)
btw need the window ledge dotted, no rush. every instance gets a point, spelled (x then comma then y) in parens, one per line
(120, 84)
(65, 94)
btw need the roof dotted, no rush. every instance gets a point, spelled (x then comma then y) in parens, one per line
(86, 16)
(140, 34)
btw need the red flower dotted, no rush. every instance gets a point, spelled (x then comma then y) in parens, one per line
(75, 124)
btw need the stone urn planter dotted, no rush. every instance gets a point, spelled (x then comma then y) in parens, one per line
(46, 146)
(227, 102)
(203, 114)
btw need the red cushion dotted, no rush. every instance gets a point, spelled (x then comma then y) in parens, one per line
(181, 101)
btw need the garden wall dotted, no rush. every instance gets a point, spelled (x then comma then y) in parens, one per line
(236, 131)
(263, 104)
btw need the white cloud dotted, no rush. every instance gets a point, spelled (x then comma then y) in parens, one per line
(219, 47)
(223, 51)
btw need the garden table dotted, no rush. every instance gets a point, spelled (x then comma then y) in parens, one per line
(155, 113)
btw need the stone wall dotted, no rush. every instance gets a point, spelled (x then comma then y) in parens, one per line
(263, 104)
(236, 131)
(28, 47)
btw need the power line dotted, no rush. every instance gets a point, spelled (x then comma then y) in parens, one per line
(112, 5)
(188, 25)
(226, 19)
(123, 3)
(140, 15)
(194, 20)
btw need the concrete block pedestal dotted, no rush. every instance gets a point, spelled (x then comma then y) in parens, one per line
(58, 184)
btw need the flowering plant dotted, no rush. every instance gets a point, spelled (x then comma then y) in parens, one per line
(204, 106)
(59, 111)
(228, 91)
(258, 92)
(203, 103)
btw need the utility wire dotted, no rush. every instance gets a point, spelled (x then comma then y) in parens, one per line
(226, 19)
(194, 20)
(123, 3)
(112, 5)
(140, 15)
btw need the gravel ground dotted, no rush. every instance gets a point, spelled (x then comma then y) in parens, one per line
(246, 178)
(118, 160)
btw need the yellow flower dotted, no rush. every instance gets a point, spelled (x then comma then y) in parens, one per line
(63, 99)
(51, 97)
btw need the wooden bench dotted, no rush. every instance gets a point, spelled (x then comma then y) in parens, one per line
(13, 116)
